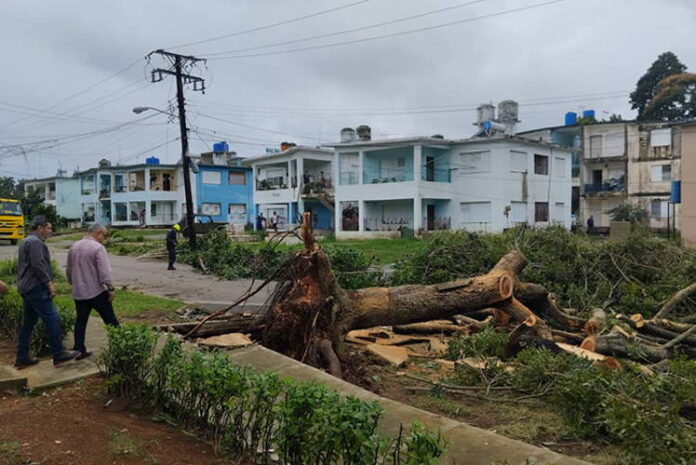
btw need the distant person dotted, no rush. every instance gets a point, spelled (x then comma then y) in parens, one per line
(306, 179)
(36, 286)
(171, 245)
(322, 180)
(274, 222)
(141, 218)
(260, 221)
(89, 272)
(590, 224)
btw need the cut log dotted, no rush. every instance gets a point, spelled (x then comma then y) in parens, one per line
(474, 324)
(596, 322)
(673, 326)
(435, 327)
(619, 345)
(565, 336)
(523, 315)
(594, 357)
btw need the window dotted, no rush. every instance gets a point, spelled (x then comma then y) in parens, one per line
(518, 161)
(658, 209)
(400, 162)
(595, 146)
(212, 209)
(660, 173)
(518, 212)
(541, 212)
(475, 162)
(541, 164)
(475, 212)
(121, 211)
(559, 167)
(237, 213)
(211, 177)
(153, 209)
(661, 137)
(237, 178)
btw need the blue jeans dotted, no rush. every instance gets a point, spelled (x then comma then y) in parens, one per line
(38, 304)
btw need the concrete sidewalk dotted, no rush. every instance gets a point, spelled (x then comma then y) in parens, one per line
(44, 375)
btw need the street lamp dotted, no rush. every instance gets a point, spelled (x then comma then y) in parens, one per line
(187, 165)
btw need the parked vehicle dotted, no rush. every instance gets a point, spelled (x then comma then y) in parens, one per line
(11, 220)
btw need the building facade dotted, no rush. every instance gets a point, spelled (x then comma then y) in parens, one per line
(294, 181)
(60, 191)
(224, 188)
(687, 214)
(133, 195)
(429, 184)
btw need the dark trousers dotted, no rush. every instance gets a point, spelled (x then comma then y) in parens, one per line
(171, 252)
(38, 304)
(83, 308)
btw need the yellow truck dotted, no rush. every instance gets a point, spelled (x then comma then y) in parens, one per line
(11, 220)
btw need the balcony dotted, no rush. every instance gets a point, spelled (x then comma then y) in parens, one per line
(387, 175)
(271, 184)
(439, 174)
(614, 185)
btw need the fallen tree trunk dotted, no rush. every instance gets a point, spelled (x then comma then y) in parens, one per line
(619, 345)
(311, 308)
(236, 323)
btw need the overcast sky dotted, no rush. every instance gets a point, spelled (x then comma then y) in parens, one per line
(62, 101)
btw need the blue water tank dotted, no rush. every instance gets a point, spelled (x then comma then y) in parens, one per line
(152, 161)
(221, 147)
(571, 118)
(675, 196)
(588, 114)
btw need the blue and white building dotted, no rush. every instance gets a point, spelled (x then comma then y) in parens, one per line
(486, 183)
(295, 180)
(224, 187)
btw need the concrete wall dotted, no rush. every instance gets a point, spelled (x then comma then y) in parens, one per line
(688, 179)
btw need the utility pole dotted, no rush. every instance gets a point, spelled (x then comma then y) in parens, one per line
(179, 62)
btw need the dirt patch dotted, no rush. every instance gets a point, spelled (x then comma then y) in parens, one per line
(70, 426)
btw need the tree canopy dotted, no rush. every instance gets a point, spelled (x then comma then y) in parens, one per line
(659, 98)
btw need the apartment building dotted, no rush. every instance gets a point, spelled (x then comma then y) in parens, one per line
(60, 191)
(482, 184)
(295, 180)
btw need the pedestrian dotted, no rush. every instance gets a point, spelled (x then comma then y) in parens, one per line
(274, 222)
(306, 179)
(322, 180)
(89, 272)
(141, 218)
(36, 286)
(260, 221)
(171, 245)
(590, 224)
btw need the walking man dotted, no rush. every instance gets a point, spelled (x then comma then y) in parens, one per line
(89, 272)
(171, 245)
(36, 286)
(590, 224)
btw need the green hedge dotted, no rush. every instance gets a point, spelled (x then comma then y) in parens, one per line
(243, 412)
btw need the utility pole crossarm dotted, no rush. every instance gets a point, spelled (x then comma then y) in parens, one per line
(178, 63)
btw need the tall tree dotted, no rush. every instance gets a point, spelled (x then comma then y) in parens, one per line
(675, 98)
(667, 64)
(9, 189)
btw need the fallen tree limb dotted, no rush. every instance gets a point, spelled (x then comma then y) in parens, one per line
(675, 300)
(436, 327)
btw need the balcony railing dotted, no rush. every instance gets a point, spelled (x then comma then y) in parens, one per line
(612, 185)
(271, 184)
(431, 174)
(387, 175)
(396, 223)
(440, 223)
(322, 186)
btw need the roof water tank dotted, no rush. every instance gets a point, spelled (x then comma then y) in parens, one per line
(675, 196)
(221, 147)
(152, 161)
(571, 118)
(364, 132)
(508, 111)
(347, 135)
(485, 112)
(588, 114)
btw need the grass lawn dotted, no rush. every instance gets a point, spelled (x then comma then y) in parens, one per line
(383, 250)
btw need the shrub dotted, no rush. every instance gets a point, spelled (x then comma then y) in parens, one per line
(245, 413)
(351, 268)
(11, 314)
(487, 343)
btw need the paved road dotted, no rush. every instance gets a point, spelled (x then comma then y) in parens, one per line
(152, 277)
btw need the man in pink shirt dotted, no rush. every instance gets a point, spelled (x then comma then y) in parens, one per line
(89, 272)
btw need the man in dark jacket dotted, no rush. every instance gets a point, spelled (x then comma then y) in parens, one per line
(35, 284)
(171, 245)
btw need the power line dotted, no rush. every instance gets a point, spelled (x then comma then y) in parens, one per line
(273, 131)
(348, 31)
(272, 25)
(394, 34)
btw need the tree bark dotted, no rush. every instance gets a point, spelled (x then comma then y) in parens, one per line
(594, 325)
(676, 299)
